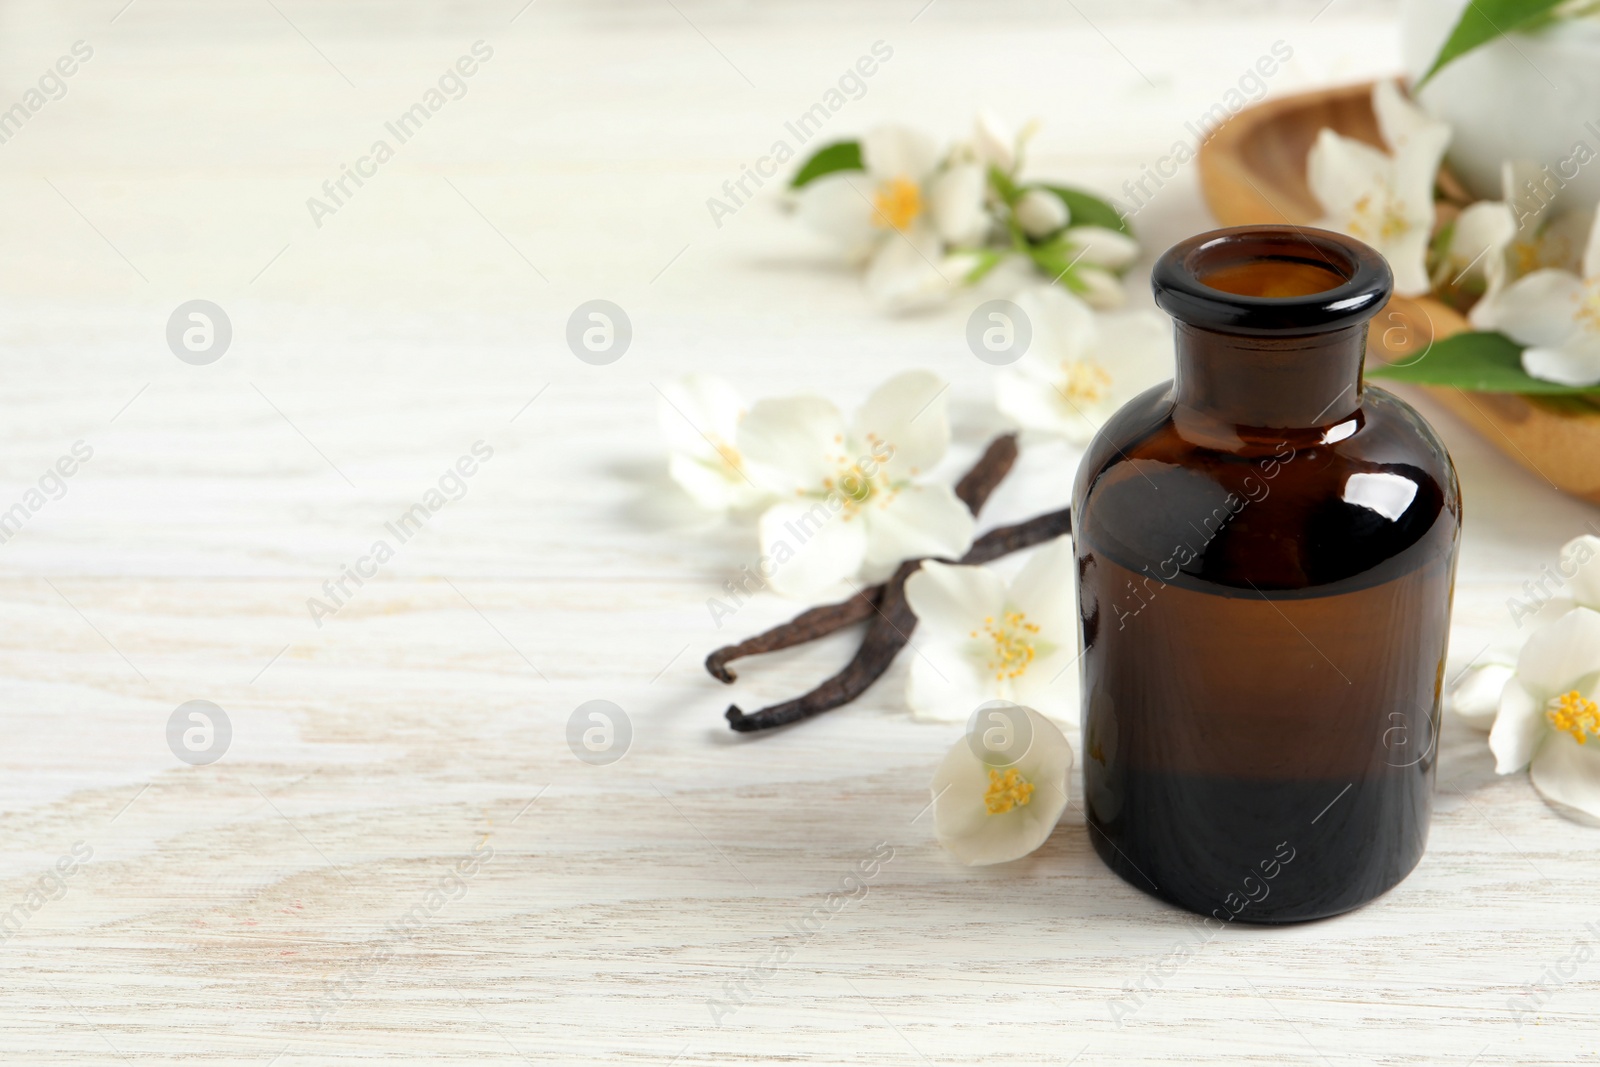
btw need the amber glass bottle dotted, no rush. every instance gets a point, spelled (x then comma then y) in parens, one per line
(1266, 555)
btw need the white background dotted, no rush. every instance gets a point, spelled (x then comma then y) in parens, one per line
(222, 903)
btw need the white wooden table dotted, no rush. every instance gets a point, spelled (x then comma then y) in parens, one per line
(254, 910)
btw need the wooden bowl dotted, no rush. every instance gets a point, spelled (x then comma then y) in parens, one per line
(1253, 170)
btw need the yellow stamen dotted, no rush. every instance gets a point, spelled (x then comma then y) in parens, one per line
(1394, 222)
(729, 454)
(898, 203)
(1005, 793)
(856, 488)
(1087, 383)
(1572, 714)
(1588, 313)
(1369, 221)
(1527, 257)
(1013, 646)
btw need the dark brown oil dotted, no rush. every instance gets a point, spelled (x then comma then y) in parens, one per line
(1233, 728)
(1271, 278)
(1266, 552)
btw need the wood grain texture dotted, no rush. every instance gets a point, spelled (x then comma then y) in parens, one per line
(302, 901)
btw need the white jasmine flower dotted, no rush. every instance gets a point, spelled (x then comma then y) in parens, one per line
(1557, 244)
(901, 213)
(1080, 366)
(1582, 556)
(1099, 289)
(1549, 720)
(979, 640)
(1549, 233)
(1384, 200)
(1574, 582)
(699, 418)
(988, 810)
(993, 144)
(1487, 252)
(1474, 259)
(1556, 314)
(1040, 213)
(1099, 246)
(1095, 257)
(897, 282)
(850, 500)
(1475, 698)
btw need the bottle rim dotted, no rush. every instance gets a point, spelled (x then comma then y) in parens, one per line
(1180, 291)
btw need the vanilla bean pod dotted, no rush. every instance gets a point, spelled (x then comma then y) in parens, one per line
(1004, 540)
(807, 626)
(973, 489)
(985, 477)
(891, 628)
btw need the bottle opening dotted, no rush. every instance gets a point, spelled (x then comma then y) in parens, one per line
(1271, 280)
(1275, 278)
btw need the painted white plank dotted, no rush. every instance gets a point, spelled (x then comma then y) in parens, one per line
(628, 913)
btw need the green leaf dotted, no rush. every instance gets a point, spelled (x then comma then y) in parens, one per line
(1482, 22)
(988, 260)
(841, 155)
(1055, 258)
(1002, 183)
(1090, 210)
(1478, 363)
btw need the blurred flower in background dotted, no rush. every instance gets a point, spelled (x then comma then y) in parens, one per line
(1081, 366)
(699, 417)
(1384, 200)
(1556, 314)
(901, 215)
(924, 221)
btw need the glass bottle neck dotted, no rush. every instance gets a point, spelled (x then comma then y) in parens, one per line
(1280, 383)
